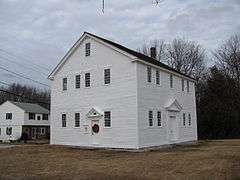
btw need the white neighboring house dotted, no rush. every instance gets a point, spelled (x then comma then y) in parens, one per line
(17, 117)
(106, 95)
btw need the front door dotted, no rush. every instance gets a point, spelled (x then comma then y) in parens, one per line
(95, 131)
(172, 128)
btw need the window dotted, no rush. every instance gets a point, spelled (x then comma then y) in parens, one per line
(107, 76)
(149, 74)
(42, 130)
(44, 116)
(9, 131)
(31, 116)
(187, 86)
(184, 119)
(9, 116)
(87, 49)
(77, 81)
(64, 119)
(159, 119)
(107, 118)
(39, 118)
(87, 80)
(157, 77)
(77, 119)
(150, 118)
(64, 84)
(171, 81)
(189, 119)
(182, 84)
(0, 131)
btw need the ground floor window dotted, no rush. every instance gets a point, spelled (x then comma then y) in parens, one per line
(77, 119)
(64, 120)
(150, 118)
(42, 130)
(159, 119)
(9, 131)
(189, 119)
(107, 118)
(184, 119)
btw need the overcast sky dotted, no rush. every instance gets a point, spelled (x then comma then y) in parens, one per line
(41, 31)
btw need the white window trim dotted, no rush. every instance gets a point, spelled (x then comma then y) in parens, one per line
(109, 67)
(103, 125)
(61, 120)
(161, 118)
(153, 124)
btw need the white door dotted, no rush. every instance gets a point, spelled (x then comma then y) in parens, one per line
(172, 128)
(95, 129)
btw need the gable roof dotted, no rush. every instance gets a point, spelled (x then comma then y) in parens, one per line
(173, 105)
(31, 108)
(140, 56)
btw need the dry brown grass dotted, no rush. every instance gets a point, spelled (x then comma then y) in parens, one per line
(206, 160)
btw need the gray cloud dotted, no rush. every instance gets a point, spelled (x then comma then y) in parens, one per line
(42, 31)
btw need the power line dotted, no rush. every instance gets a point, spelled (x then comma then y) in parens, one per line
(4, 83)
(20, 64)
(8, 92)
(22, 76)
(12, 54)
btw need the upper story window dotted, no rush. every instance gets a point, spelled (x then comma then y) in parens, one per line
(187, 86)
(87, 80)
(149, 74)
(107, 118)
(64, 120)
(39, 118)
(184, 119)
(107, 76)
(9, 130)
(189, 119)
(87, 49)
(31, 116)
(159, 118)
(77, 81)
(171, 80)
(64, 87)
(45, 117)
(182, 84)
(9, 116)
(150, 118)
(77, 119)
(157, 77)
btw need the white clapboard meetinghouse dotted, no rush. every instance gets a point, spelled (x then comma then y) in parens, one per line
(104, 95)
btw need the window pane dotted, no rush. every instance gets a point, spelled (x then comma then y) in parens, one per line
(149, 74)
(184, 119)
(87, 80)
(45, 117)
(107, 76)
(87, 49)
(31, 116)
(157, 77)
(77, 79)
(159, 118)
(64, 118)
(189, 120)
(107, 118)
(77, 119)
(64, 84)
(9, 116)
(150, 118)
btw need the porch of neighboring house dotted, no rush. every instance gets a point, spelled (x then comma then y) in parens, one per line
(37, 132)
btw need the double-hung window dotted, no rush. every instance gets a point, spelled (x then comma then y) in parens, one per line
(45, 117)
(87, 49)
(77, 119)
(149, 74)
(87, 80)
(187, 86)
(182, 84)
(159, 118)
(77, 81)
(8, 116)
(157, 77)
(64, 120)
(9, 131)
(107, 118)
(189, 119)
(107, 76)
(64, 84)
(31, 116)
(150, 118)
(184, 119)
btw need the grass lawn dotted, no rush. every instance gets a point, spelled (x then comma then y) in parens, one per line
(206, 160)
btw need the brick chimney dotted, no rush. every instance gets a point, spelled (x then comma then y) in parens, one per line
(153, 52)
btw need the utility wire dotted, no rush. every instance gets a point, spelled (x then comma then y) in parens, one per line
(12, 54)
(22, 76)
(4, 83)
(20, 64)
(8, 92)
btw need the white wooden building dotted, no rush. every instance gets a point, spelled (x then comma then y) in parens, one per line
(106, 95)
(17, 117)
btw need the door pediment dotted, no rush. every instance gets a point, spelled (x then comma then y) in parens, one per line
(174, 105)
(94, 112)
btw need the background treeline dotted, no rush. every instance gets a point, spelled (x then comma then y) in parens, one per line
(217, 83)
(22, 93)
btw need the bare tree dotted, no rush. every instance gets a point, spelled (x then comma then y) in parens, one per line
(186, 56)
(228, 58)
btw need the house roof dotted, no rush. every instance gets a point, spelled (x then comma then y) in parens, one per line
(32, 108)
(140, 56)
